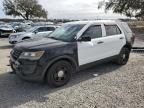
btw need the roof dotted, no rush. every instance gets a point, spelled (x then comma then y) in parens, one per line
(94, 21)
(45, 26)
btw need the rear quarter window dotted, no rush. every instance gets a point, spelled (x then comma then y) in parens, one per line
(126, 27)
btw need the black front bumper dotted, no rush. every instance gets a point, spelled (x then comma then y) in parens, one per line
(28, 69)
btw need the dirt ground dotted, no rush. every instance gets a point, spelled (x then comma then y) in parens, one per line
(103, 86)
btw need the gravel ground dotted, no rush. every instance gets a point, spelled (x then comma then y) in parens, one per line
(103, 86)
(139, 41)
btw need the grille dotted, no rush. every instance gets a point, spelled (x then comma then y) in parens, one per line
(16, 54)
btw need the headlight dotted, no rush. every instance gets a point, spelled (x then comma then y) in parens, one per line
(32, 55)
(15, 36)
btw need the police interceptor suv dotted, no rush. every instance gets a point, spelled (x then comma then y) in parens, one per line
(70, 48)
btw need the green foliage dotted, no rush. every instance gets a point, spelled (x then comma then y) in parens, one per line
(130, 8)
(24, 8)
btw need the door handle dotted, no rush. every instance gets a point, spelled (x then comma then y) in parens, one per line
(100, 42)
(121, 37)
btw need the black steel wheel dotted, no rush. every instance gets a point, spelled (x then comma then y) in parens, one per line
(123, 56)
(59, 74)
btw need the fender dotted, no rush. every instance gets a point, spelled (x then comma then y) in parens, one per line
(25, 38)
(64, 57)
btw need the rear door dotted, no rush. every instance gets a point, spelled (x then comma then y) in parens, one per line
(114, 40)
(41, 32)
(49, 30)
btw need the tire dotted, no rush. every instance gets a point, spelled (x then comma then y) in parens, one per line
(13, 69)
(59, 74)
(0, 34)
(123, 56)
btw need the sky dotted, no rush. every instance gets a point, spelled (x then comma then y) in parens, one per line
(72, 9)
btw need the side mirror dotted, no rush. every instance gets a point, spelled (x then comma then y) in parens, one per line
(85, 39)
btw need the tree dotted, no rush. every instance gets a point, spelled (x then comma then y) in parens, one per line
(24, 8)
(130, 8)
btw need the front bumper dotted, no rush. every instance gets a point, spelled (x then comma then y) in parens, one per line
(12, 40)
(28, 69)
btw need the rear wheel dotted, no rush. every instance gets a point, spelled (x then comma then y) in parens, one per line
(0, 34)
(123, 56)
(59, 74)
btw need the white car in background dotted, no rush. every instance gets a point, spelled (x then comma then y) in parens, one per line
(6, 30)
(34, 32)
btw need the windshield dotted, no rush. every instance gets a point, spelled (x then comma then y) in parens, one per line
(5, 26)
(31, 29)
(66, 32)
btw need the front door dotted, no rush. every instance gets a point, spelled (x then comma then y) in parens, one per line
(91, 51)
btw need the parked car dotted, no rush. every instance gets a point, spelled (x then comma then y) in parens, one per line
(6, 30)
(16, 25)
(34, 32)
(74, 46)
(23, 27)
(43, 23)
(28, 22)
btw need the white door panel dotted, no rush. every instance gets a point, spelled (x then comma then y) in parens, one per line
(85, 54)
(90, 51)
(39, 34)
(42, 34)
(113, 45)
(101, 47)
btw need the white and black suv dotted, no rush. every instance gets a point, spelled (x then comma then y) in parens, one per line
(70, 48)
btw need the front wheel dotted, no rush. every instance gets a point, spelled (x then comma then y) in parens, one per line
(59, 74)
(123, 56)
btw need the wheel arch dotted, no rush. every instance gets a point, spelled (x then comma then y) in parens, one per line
(128, 46)
(27, 37)
(61, 58)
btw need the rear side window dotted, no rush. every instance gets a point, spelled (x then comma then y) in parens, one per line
(50, 28)
(42, 29)
(112, 30)
(93, 32)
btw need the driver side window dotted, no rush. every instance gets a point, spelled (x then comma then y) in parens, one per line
(94, 31)
(42, 29)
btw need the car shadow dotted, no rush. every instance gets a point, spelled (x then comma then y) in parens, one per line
(15, 92)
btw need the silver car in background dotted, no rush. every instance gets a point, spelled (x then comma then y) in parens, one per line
(34, 32)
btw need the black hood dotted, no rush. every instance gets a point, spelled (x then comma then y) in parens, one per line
(42, 43)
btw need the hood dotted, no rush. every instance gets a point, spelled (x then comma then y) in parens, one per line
(19, 33)
(37, 44)
(6, 29)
